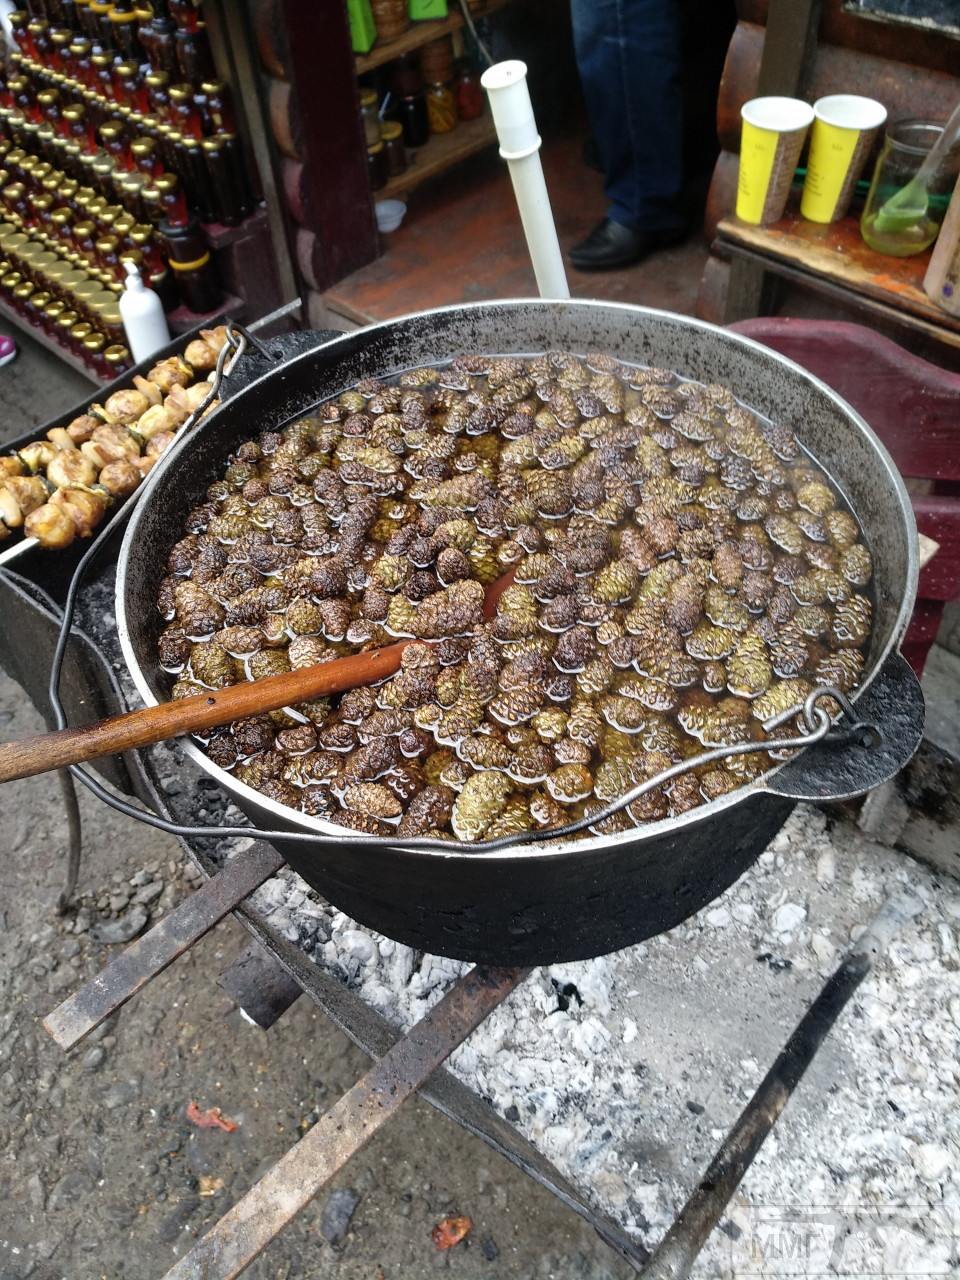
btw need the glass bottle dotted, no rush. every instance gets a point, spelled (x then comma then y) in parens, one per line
(184, 115)
(101, 75)
(115, 145)
(95, 353)
(412, 114)
(193, 164)
(194, 59)
(392, 134)
(173, 205)
(59, 43)
(86, 20)
(468, 93)
(218, 113)
(158, 83)
(124, 28)
(146, 157)
(197, 284)
(18, 30)
(903, 233)
(377, 166)
(185, 14)
(100, 9)
(80, 61)
(441, 108)
(369, 116)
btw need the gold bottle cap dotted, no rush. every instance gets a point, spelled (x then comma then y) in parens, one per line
(75, 113)
(166, 183)
(102, 299)
(80, 330)
(49, 97)
(55, 309)
(126, 70)
(61, 36)
(11, 279)
(44, 261)
(181, 92)
(23, 291)
(103, 165)
(73, 277)
(85, 229)
(158, 79)
(143, 148)
(18, 19)
(13, 243)
(36, 27)
(41, 298)
(110, 132)
(42, 203)
(76, 260)
(87, 289)
(118, 16)
(390, 129)
(100, 7)
(131, 255)
(124, 225)
(368, 97)
(67, 317)
(73, 149)
(213, 88)
(213, 147)
(95, 342)
(30, 250)
(106, 218)
(107, 244)
(57, 270)
(138, 235)
(117, 354)
(101, 60)
(80, 46)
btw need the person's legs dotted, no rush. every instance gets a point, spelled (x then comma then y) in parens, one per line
(628, 54)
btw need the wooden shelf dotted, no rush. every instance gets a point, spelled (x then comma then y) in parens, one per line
(440, 153)
(834, 257)
(44, 339)
(421, 33)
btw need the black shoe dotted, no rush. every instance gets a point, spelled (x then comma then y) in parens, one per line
(610, 244)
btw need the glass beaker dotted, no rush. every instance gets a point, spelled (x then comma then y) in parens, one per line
(906, 144)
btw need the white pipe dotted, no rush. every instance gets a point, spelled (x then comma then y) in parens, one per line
(506, 85)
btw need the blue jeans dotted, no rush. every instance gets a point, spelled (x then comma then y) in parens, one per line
(628, 54)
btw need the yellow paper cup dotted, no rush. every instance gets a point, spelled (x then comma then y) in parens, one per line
(772, 137)
(844, 129)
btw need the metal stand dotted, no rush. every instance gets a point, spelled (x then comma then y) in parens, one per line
(71, 808)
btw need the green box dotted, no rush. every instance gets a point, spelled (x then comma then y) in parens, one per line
(421, 9)
(363, 29)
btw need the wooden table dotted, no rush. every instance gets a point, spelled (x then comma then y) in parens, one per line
(833, 260)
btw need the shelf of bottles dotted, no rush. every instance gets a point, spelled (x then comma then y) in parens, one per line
(117, 144)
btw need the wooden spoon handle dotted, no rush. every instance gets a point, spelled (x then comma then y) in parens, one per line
(141, 728)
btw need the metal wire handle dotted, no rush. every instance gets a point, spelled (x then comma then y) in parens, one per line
(818, 723)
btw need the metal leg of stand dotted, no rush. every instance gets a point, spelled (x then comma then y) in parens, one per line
(74, 839)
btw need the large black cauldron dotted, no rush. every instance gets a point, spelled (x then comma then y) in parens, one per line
(538, 904)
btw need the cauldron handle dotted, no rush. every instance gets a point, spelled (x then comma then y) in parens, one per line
(841, 770)
(264, 357)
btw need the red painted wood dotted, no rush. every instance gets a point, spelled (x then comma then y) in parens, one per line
(336, 192)
(913, 405)
(938, 516)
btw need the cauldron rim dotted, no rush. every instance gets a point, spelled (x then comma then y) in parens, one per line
(296, 821)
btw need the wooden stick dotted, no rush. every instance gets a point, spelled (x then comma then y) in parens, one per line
(141, 728)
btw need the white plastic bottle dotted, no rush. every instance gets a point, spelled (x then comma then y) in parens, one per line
(142, 314)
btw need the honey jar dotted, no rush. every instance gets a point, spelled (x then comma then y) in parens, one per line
(441, 108)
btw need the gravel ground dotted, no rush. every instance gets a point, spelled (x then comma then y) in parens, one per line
(101, 1175)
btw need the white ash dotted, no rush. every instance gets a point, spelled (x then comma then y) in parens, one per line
(627, 1071)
